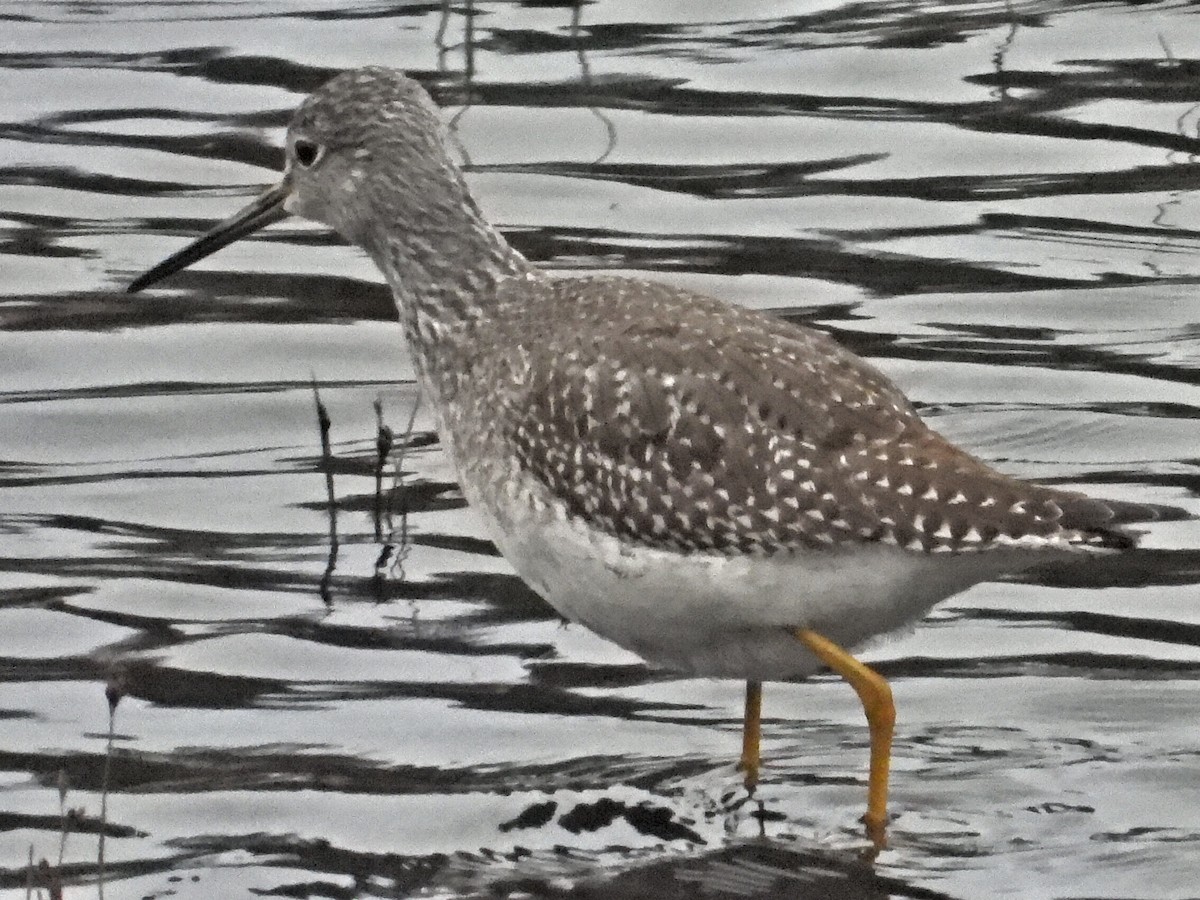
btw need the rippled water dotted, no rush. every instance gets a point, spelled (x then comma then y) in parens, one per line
(995, 202)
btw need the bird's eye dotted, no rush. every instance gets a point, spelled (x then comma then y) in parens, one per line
(307, 153)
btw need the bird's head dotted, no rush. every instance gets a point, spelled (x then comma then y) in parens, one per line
(364, 150)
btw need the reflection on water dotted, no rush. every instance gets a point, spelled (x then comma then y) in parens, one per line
(995, 201)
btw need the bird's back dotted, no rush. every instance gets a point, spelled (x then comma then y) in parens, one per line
(672, 420)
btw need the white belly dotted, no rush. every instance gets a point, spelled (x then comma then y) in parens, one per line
(718, 615)
(730, 616)
(710, 614)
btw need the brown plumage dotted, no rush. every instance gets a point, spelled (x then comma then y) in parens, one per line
(719, 491)
(672, 420)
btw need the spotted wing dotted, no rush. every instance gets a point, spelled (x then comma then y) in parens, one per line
(704, 428)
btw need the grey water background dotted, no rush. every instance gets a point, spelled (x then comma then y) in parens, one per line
(996, 202)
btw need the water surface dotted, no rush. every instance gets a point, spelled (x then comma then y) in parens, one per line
(995, 202)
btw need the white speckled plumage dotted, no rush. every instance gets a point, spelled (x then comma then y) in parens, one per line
(689, 479)
(714, 489)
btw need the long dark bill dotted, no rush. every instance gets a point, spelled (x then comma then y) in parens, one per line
(266, 208)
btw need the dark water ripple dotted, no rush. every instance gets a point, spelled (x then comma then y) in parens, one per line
(995, 202)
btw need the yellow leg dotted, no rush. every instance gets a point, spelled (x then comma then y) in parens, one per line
(751, 734)
(876, 697)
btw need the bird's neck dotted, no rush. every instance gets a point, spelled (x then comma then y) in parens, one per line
(444, 268)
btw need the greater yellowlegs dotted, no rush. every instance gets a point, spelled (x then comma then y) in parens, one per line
(721, 492)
